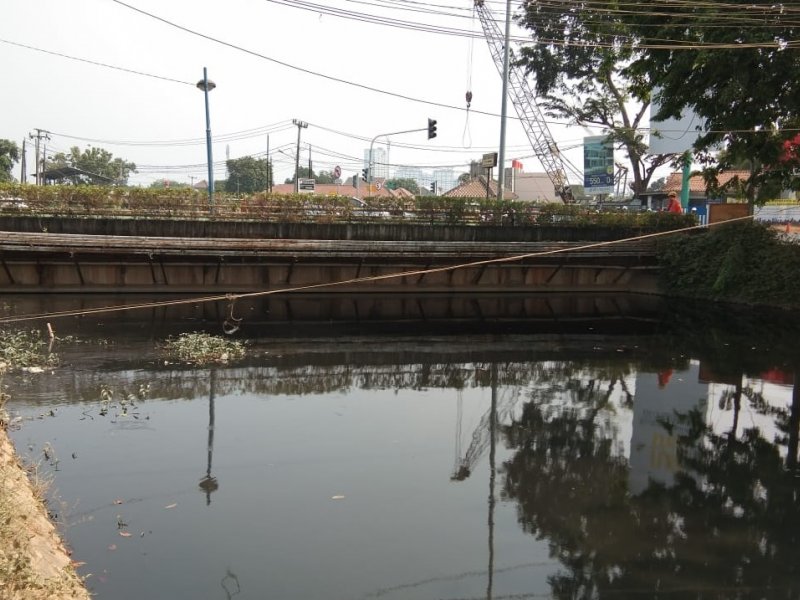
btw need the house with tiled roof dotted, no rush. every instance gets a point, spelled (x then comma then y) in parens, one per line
(698, 196)
(376, 190)
(476, 188)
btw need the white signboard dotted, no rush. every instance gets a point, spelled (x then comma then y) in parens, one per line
(306, 186)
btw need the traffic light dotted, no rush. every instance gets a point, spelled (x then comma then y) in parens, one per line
(431, 128)
(365, 174)
(433, 187)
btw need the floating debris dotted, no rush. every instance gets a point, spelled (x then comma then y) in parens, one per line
(203, 348)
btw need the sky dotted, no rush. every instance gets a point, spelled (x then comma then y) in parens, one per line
(324, 63)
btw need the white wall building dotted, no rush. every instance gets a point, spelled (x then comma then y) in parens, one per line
(380, 166)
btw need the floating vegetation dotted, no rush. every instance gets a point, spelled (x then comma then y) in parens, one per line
(25, 350)
(203, 348)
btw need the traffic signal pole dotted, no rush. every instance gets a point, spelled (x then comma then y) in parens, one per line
(430, 128)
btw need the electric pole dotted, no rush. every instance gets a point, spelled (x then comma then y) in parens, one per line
(300, 125)
(41, 134)
(22, 174)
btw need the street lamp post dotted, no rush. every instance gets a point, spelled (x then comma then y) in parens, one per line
(206, 85)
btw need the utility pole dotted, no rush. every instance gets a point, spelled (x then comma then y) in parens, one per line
(300, 125)
(309, 161)
(504, 109)
(22, 174)
(41, 134)
(268, 184)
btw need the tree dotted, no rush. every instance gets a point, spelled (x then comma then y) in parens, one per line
(741, 79)
(247, 175)
(9, 155)
(403, 182)
(657, 185)
(98, 165)
(303, 173)
(579, 56)
(326, 177)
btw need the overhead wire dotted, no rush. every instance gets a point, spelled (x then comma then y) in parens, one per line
(95, 62)
(307, 5)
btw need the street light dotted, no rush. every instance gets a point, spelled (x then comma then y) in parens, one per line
(207, 85)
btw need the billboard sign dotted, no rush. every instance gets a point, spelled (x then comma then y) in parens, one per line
(489, 160)
(598, 165)
(306, 186)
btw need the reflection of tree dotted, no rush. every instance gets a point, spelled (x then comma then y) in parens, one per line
(561, 474)
(729, 527)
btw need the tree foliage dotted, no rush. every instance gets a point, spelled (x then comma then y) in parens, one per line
(302, 173)
(247, 175)
(740, 78)
(403, 182)
(579, 59)
(98, 165)
(9, 155)
(326, 177)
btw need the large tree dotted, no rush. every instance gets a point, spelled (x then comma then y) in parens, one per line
(403, 182)
(248, 175)
(98, 165)
(736, 66)
(9, 155)
(579, 59)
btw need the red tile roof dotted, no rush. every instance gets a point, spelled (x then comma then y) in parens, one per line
(697, 183)
(347, 189)
(477, 189)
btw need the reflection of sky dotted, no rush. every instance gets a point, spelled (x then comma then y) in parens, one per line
(721, 420)
(401, 526)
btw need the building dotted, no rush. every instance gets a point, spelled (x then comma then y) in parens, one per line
(532, 187)
(380, 163)
(446, 179)
(478, 188)
(699, 198)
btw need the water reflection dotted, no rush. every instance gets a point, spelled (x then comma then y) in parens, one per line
(625, 454)
(209, 483)
(713, 511)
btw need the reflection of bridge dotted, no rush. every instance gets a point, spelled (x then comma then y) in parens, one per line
(383, 258)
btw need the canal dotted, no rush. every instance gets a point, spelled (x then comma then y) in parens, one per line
(435, 447)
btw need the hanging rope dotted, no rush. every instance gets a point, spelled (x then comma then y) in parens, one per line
(466, 137)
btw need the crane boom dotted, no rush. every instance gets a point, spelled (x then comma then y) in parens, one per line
(522, 97)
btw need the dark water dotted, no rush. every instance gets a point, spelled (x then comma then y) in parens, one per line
(437, 448)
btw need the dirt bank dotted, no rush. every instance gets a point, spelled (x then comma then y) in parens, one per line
(34, 564)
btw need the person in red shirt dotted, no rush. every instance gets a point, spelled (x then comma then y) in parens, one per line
(674, 205)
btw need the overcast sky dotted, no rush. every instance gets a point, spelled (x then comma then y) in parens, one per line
(348, 78)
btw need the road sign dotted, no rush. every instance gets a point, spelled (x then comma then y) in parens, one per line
(489, 160)
(337, 172)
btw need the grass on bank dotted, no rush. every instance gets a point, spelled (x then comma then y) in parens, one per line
(738, 262)
(19, 502)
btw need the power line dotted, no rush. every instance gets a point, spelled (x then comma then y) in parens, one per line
(96, 63)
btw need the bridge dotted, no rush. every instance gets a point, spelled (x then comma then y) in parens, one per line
(113, 255)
